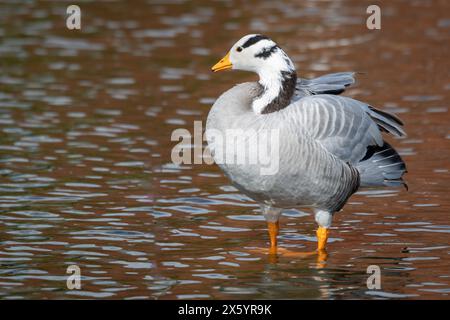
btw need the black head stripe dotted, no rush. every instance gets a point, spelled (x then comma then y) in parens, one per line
(253, 40)
(266, 52)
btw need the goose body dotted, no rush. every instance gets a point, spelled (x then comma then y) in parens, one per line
(328, 145)
(308, 174)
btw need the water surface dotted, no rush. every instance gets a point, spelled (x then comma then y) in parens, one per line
(86, 176)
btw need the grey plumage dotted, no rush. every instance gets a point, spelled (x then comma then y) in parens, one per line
(382, 166)
(333, 83)
(325, 145)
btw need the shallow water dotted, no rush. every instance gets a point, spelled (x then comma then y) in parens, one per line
(86, 176)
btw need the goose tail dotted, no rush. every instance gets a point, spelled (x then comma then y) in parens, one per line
(382, 166)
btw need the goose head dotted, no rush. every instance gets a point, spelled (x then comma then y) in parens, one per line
(277, 77)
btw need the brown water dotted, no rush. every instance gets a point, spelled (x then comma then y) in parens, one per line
(86, 176)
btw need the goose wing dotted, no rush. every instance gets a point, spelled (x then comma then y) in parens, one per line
(333, 83)
(344, 126)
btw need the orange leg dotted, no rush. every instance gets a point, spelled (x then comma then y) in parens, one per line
(274, 251)
(274, 228)
(322, 238)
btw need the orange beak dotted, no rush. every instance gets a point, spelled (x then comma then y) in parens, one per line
(223, 64)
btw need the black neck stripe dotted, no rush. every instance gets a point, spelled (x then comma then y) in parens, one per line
(254, 40)
(288, 82)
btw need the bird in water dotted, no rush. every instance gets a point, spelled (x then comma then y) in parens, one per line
(328, 145)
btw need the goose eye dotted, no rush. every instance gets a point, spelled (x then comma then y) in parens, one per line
(239, 49)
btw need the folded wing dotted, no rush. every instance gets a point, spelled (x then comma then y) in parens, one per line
(345, 127)
(333, 83)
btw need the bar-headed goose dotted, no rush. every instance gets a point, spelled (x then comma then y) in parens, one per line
(328, 146)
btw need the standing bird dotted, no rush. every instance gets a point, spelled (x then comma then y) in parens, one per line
(329, 145)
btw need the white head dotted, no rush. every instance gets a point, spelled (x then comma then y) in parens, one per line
(257, 53)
